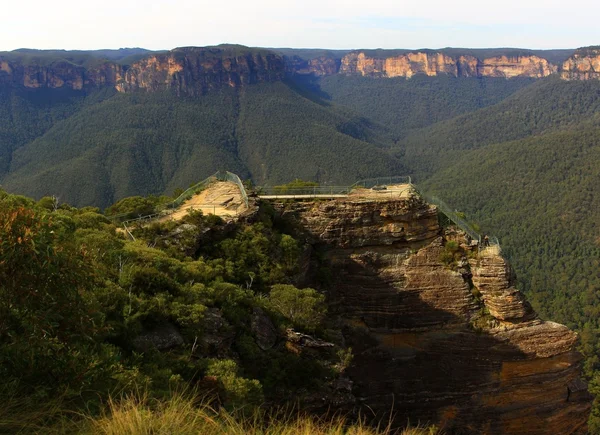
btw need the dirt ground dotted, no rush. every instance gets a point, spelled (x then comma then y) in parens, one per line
(222, 198)
(391, 191)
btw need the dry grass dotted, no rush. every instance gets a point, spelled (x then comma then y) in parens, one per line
(184, 415)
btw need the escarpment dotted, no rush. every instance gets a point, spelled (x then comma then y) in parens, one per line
(436, 63)
(190, 70)
(438, 331)
(195, 70)
(583, 65)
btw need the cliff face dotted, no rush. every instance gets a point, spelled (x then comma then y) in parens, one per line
(196, 70)
(60, 74)
(433, 64)
(449, 342)
(583, 65)
(186, 70)
(319, 66)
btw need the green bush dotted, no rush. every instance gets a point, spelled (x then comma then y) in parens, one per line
(238, 392)
(304, 308)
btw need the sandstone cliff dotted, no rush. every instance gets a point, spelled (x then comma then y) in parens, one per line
(437, 338)
(319, 66)
(583, 65)
(195, 70)
(192, 70)
(436, 63)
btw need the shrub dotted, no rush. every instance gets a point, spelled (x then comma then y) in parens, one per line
(305, 308)
(237, 391)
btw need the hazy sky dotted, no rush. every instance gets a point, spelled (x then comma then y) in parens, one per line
(153, 24)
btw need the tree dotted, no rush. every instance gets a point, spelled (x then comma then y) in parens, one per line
(304, 307)
(44, 311)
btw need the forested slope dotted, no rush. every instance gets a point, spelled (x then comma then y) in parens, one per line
(144, 143)
(403, 105)
(547, 105)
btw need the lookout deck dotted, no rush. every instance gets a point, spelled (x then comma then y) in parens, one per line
(221, 198)
(396, 191)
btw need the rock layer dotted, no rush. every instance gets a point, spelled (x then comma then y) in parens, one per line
(451, 344)
(583, 65)
(436, 63)
(192, 70)
(195, 70)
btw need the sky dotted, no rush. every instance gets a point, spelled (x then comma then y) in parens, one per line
(157, 25)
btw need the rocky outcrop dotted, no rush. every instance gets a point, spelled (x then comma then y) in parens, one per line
(436, 63)
(58, 75)
(263, 329)
(583, 65)
(319, 66)
(515, 66)
(406, 65)
(195, 70)
(162, 337)
(491, 276)
(452, 344)
(191, 70)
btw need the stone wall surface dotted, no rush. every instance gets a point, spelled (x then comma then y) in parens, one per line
(449, 344)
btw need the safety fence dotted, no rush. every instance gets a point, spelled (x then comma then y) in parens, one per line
(169, 208)
(193, 190)
(380, 185)
(452, 215)
(230, 176)
(370, 183)
(276, 191)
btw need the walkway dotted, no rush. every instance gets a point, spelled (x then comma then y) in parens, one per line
(390, 191)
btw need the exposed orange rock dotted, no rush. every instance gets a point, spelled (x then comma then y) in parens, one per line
(583, 65)
(194, 70)
(191, 70)
(516, 66)
(425, 344)
(433, 64)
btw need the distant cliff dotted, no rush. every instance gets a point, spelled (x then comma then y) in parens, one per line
(191, 70)
(438, 331)
(433, 64)
(195, 70)
(583, 65)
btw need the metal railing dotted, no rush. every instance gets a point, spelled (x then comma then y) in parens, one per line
(230, 176)
(170, 208)
(459, 222)
(382, 181)
(303, 191)
(196, 188)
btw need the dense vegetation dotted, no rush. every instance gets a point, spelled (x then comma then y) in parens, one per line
(131, 144)
(404, 105)
(85, 313)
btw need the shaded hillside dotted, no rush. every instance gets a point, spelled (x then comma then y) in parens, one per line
(403, 105)
(27, 114)
(153, 143)
(547, 105)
